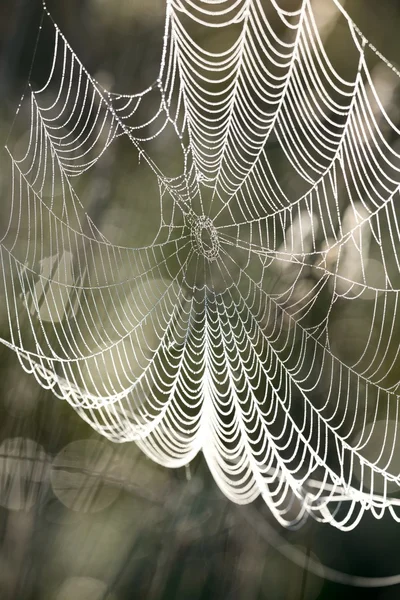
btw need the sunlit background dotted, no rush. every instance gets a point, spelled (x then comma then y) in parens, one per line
(83, 519)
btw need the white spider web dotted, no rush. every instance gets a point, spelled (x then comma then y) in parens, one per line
(216, 336)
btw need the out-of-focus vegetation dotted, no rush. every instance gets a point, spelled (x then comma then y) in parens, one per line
(81, 518)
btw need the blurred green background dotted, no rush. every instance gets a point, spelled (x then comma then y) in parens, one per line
(81, 518)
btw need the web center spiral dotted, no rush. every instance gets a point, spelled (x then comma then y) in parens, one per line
(205, 238)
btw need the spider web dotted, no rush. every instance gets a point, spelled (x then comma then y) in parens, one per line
(216, 336)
